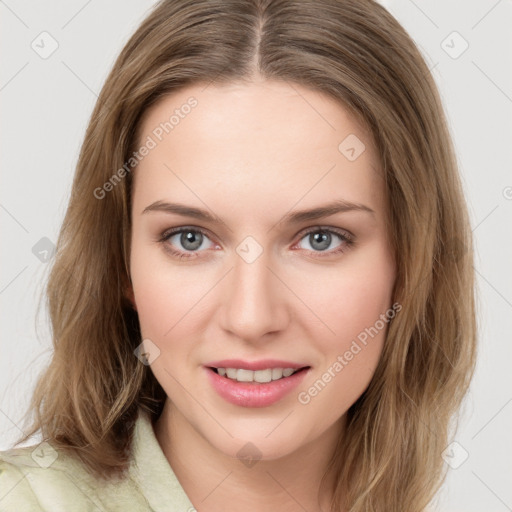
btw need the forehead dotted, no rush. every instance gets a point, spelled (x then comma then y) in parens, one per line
(258, 140)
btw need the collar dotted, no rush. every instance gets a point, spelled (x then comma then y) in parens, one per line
(152, 471)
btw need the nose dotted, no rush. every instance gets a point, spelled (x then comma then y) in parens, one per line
(254, 300)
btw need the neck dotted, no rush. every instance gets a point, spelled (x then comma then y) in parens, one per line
(217, 482)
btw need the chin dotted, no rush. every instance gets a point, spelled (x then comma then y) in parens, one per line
(251, 449)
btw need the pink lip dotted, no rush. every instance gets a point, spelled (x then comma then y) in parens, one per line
(263, 364)
(254, 394)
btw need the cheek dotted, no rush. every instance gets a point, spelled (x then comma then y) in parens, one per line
(163, 294)
(351, 301)
(351, 296)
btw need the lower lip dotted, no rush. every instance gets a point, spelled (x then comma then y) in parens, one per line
(254, 394)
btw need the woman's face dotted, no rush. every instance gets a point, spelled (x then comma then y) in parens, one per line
(250, 278)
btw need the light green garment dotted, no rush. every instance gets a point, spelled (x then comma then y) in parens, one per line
(26, 485)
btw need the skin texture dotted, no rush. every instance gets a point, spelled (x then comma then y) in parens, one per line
(250, 154)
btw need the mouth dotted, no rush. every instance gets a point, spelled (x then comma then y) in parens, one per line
(263, 376)
(255, 388)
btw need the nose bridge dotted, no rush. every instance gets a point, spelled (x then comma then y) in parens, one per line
(254, 302)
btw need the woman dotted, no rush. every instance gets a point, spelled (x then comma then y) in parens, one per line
(262, 296)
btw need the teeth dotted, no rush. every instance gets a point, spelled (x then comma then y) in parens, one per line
(261, 376)
(231, 373)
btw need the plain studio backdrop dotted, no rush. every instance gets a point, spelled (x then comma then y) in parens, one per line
(55, 58)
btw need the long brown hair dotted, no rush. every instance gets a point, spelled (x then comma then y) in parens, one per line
(86, 401)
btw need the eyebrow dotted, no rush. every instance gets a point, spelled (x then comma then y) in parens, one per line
(295, 217)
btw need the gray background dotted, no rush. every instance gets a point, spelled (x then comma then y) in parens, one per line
(46, 104)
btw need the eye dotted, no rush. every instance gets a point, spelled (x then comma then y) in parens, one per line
(320, 239)
(191, 240)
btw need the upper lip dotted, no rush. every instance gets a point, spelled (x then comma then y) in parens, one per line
(262, 364)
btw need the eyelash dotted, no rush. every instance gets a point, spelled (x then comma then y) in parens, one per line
(347, 240)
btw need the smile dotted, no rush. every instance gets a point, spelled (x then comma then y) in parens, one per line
(254, 388)
(259, 376)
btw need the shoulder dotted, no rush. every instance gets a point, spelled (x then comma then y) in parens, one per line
(37, 478)
(15, 490)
